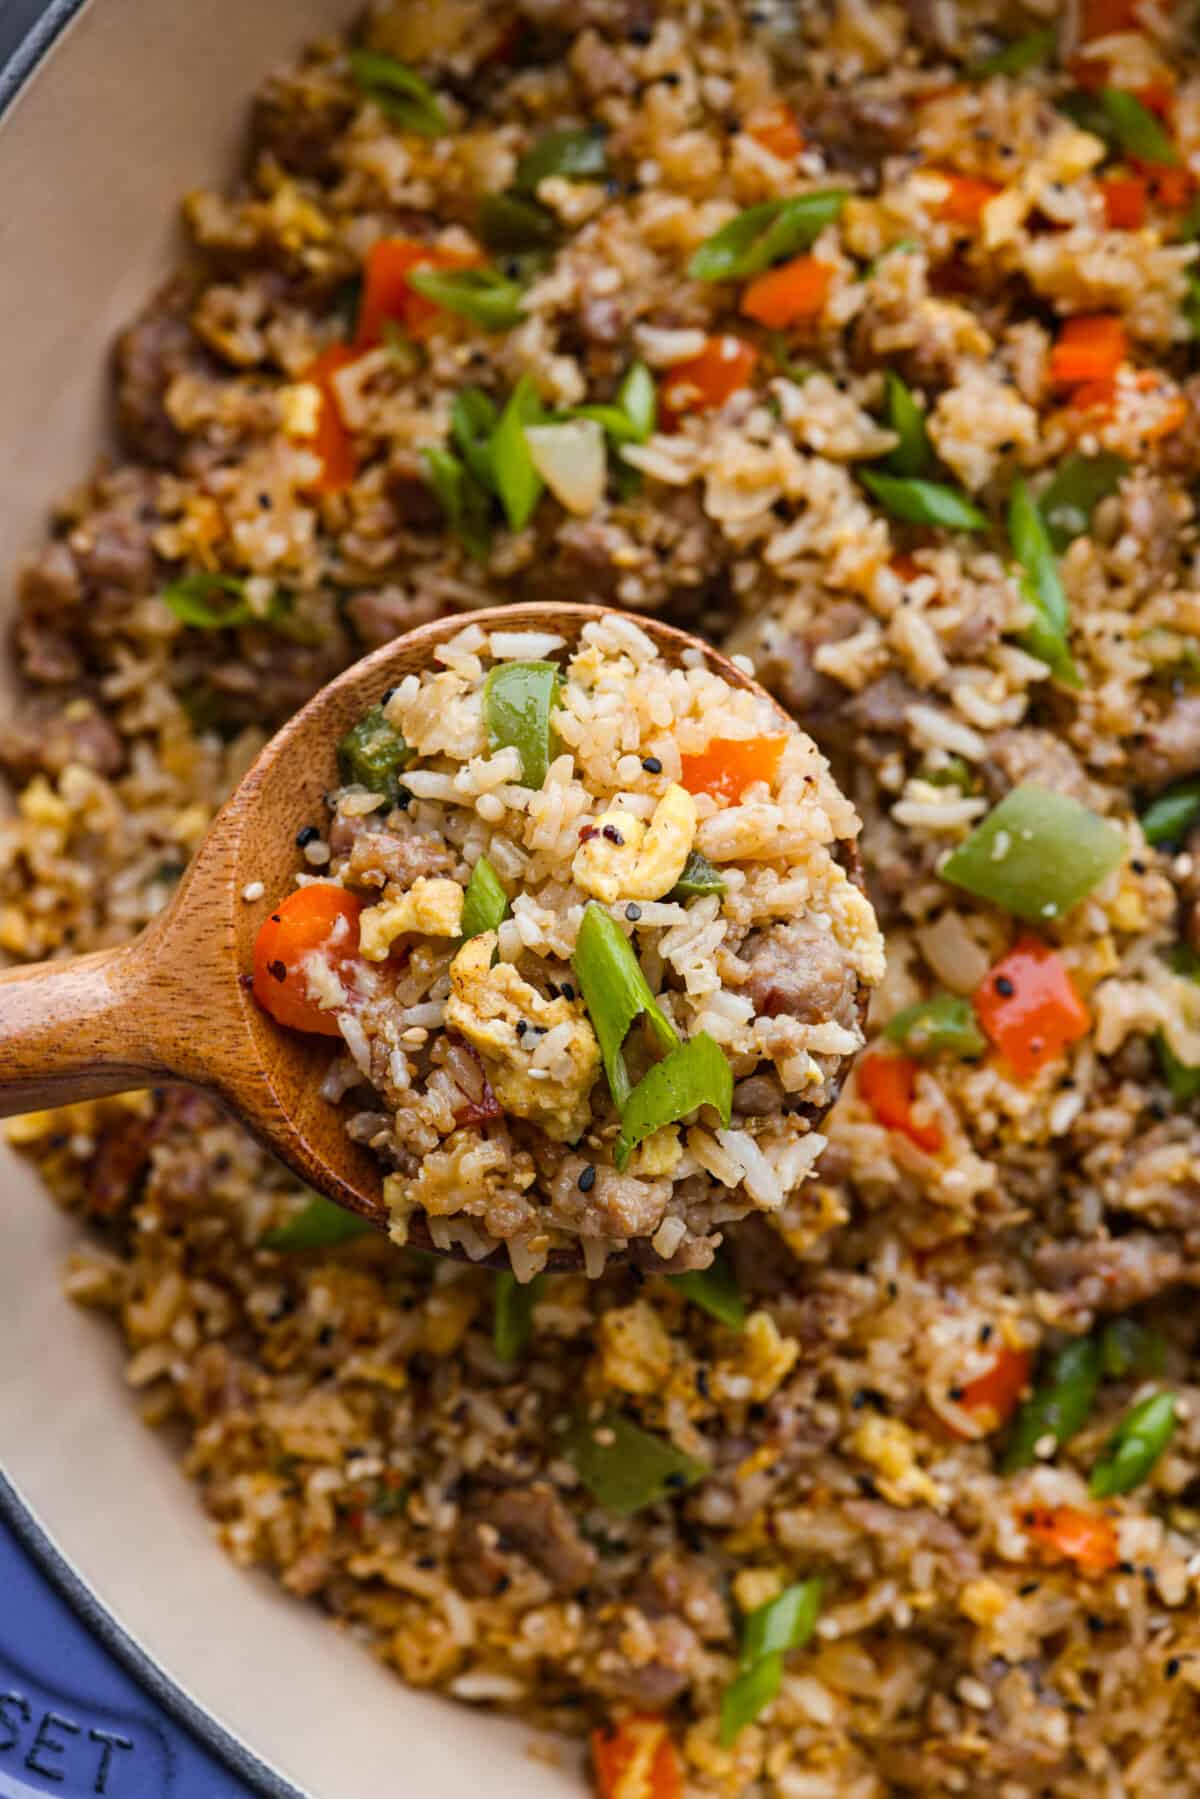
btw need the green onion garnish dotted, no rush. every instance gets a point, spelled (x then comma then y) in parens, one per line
(318, 1225)
(1128, 1347)
(764, 234)
(1036, 854)
(512, 1313)
(697, 1073)
(485, 903)
(1183, 1082)
(946, 1023)
(483, 295)
(517, 481)
(698, 877)
(784, 1623)
(1134, 1446)
(1170, 817)
(914, 453)
(1077, 489)
(1058, 1407)
(715, 1290)
(624, 1467)
(209, 602)
(923, 502)
(1041, 586)
(750, 1694)
(1017, 58)
(461, 497)
(399, 92)
(615, 992)
(574, 154)
(473, 419)
(518, 698)
(372, 754)
(633, 414)
(1136, 129)
(510, 222)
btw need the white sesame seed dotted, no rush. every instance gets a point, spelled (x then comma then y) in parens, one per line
(253, 890)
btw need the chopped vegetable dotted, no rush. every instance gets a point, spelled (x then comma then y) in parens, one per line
(1124, 198)
(511, 222)
(784, 1623)
(1135, 1446)
(399, 92)
(1086, 1538)
(483, 295)
(1036, 854)
(516, 479)
(461, 497)
(1136, 129)
(965, 198)
(783, 296)
(1057, 1407)
(715, 1290)
(518, 699)
(569, 456)
(696, 1073)
(624, 1467)
(387, 296)
(1022, 54)
(208, 601)
(1040, 586)
(914, 453)
(632, 416)
(1182, 1082)
(372, 755)
(764, 234)
(485, 903)
(573, 154)
(636, 1759)
(1077, 489)
(775, 128)
(512, 1313)
(330, 443)
(923, 502)
(1090, 348)
(888, 1085)
(1170, 817)
(1128, 1347)
(997, 1392)
(1029, 1008)
(305, 921)
(945, 1023)
(706, 381)
(473, 420)
(698, 877)
(616, 993)
(749, 1694)
(731, 764)
(318, 1225)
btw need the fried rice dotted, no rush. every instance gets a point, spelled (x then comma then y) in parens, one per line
(878, 1398)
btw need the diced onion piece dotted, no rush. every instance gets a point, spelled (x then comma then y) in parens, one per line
(571, 461)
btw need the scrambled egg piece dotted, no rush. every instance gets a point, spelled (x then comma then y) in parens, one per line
(635, 1351)
(657, 1156)
(508, 1021)
(890, 1446)
(623, 859)
(760, 1360)
(431, 907)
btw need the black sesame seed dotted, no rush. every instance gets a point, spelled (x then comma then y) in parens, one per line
(985, 1333)
(702, 1382)
(264, 501)
(1138, 866)
(1030, 1586)
(567, 991)
(277, 971)
(633, 911)
(640, 34)
(675, 1481)
(614, 836)
(587, 1179)
(1095, 1624)
(956, 1394)
(1172, 1668)
(308, 835)
(652, 765)
(390, 694)
(403, 799)
(522, 1027)
(1004, 986)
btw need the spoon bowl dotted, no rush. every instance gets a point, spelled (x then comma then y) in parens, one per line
(175, 1005)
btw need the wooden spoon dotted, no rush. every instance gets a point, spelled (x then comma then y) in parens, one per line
(174, 1004)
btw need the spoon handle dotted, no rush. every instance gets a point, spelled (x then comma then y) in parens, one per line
(75, 1030)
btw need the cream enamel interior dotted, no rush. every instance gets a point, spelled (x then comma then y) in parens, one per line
(137, 102)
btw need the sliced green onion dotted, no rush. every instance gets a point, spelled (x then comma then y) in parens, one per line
(914, 453)
(637, 397)
(462, 499)
(1022, 54)
(1058, 1407)
(715, 1290)
(781, 356)
(1077, 489)
(512, 1313)
(318, 1225)
(1136, 129)
(624, 1467)
(404, 355)
(750, 1694)
(615, 992)
(952, 773)
(203, 601)
(1036, 854)
(574, 154)
(473, 420)
(923, 502)
(1127, 1347)
(784, 1623)
(945, 1023)
(518, 698)
(902, 246)
(372, 754)
(1170, 817)
(765, 234)
(1134, 1446)
(517, 481)
(399, 92)
(1183, 1082)
(485, 903)
(1040, 585)
(484, 295)
(698, 876)
(513, 222)
(695, 1074)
